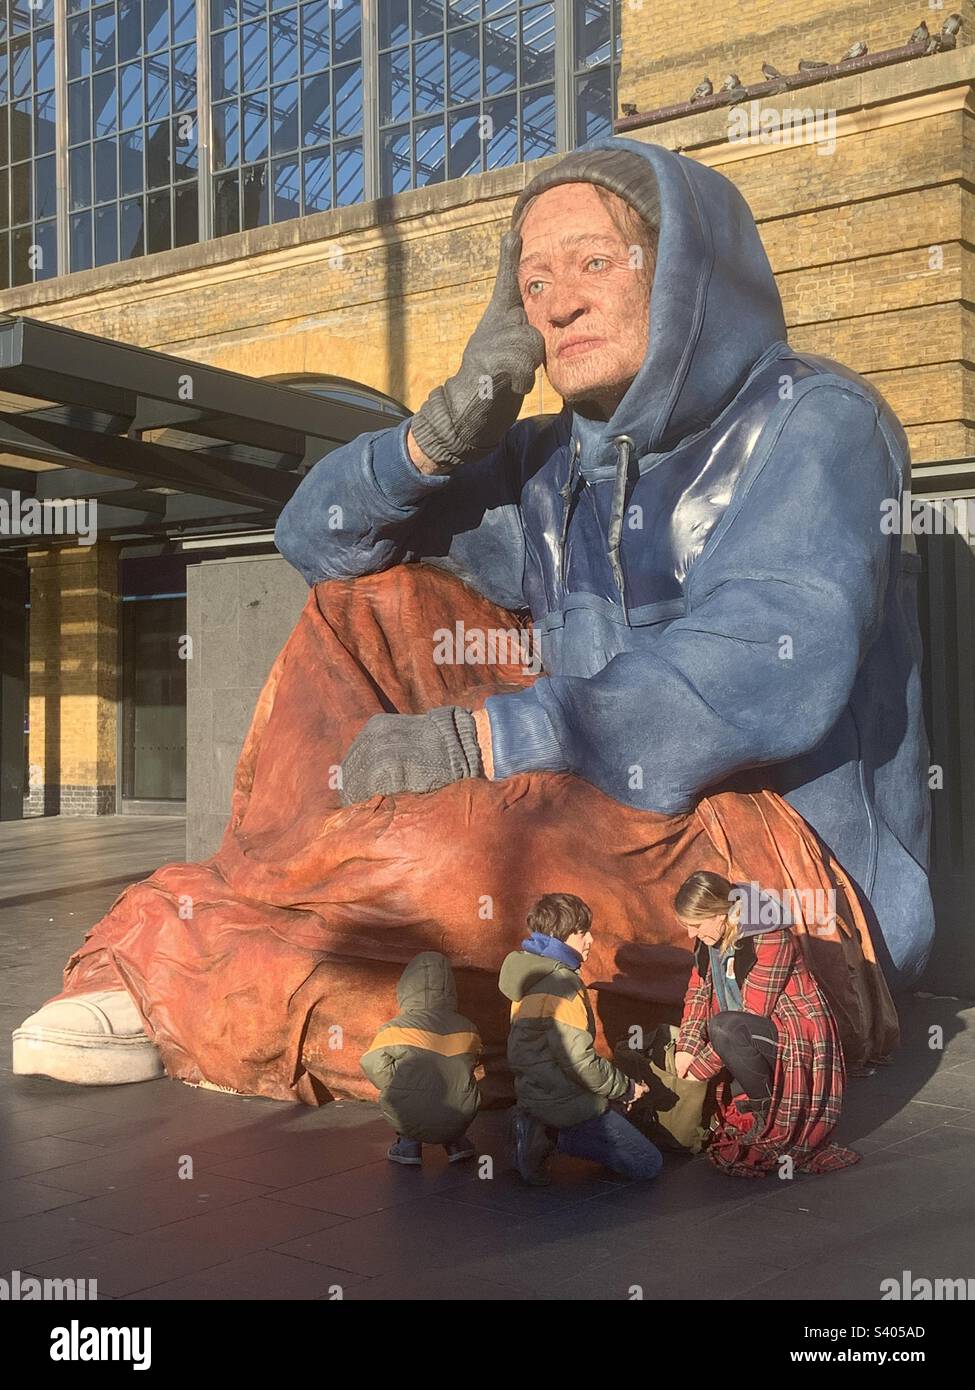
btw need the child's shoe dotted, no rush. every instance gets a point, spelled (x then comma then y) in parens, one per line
(459, 1149)
(405, 1151)
(528, 1147)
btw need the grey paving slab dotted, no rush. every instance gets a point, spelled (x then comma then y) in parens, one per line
(375, 1186)
(144, 1206)
(259, 1277)
(23, 1196)
(128, 1264)
(46, 1235)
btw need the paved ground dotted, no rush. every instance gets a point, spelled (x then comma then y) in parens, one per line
(288, 1202)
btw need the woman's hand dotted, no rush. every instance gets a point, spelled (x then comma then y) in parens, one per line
(682, 1063)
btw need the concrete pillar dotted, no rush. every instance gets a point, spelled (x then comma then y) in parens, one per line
(74, 679)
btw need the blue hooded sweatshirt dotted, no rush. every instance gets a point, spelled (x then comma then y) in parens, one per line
(752, 612)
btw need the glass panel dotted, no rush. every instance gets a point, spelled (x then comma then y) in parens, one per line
(106, 171)
(79, 39)
(131, 230)
(159, 235)
(23, 269)
(502, 142)
(464, 59)
(43, 60)
(348, 99)
(349, 174)
(253, 115)
(4, 261)
(538, 123)
(394, 22)
(255, 197)
(21, 68)
(106, 236)
(394, 85)
(226, 215)
(79, 177)
(46, 253)
(538, 44)
(591, 32)
(79, 115)
(428, 69)
(223, 74)
(103, 26)
(21, 118)
(429, 149)
(45, 188)
(79, 239)
(318, 180)
(104, 103)
(252, 9)
(186, 213)
(462, 11)
(284, 122)
(130, 155)
(44, 123)
(157, 87)
(226, 135)
(20, 193)
(184, 78)
(20, 15)
(314, 110)
(157, 155)
(156, 25)
(222, 13)
(130, 95)
(4, 198)
(464, 148)
(287, 189)
(284, 46)
(129, 29)
(186, 154)
(500, 60)
(184, 20)
(594, 115)
(394, 162)
(428, 17)
(347, 32)
(314, 36)
(253, 56)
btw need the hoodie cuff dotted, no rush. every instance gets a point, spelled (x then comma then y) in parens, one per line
(397, 476)
(523, 737)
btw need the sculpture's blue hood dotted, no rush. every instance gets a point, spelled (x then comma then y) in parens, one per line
(714, 309)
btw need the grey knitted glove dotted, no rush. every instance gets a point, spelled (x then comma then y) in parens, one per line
(411, 753)
(470, 414)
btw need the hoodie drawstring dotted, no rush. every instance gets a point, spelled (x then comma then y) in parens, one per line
(623, 445)
(567, 493)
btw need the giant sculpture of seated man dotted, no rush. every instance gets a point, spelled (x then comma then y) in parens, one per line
(697, 535)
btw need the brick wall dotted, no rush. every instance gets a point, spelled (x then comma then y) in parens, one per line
(73, 679)
(668, 46)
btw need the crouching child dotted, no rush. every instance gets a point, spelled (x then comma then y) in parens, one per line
(422, 1063)
(569, 1098)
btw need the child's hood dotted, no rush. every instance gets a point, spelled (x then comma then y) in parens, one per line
(521, 971)
(427, 983)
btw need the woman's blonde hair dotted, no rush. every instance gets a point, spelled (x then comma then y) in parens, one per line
(704, 895)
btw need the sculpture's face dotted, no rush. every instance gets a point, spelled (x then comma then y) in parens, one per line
(585, 290)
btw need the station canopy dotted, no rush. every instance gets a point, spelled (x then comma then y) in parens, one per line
(168, 447)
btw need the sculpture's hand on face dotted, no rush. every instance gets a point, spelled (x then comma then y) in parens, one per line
(471, 413)
(585, 285)
(410, 753)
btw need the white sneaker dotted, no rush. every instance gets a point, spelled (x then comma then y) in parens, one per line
(95, 1039)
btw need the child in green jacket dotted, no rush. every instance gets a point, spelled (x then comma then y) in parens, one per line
(569, 1097)
(422, 1063)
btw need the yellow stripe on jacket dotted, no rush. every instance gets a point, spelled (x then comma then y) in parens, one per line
(572, 1011)
(446, 1044)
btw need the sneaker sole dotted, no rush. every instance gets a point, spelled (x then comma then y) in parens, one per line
(407, 1162)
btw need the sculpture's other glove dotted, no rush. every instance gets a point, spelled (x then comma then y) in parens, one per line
(411, 753)
(469, 415)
